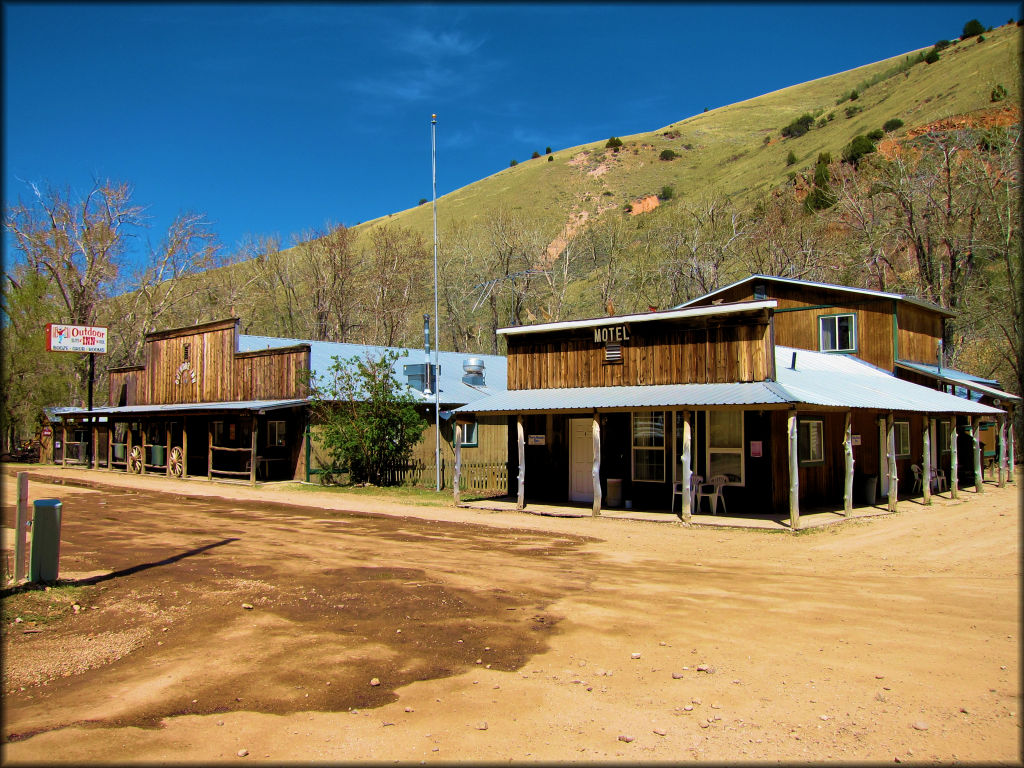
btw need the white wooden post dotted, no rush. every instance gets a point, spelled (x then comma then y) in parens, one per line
(521, 497)
(883, 457)
(596, 471)
(794, 474)
(21, 533)
(954, 470)
(1002, 451)
(979, 478)
(848, 453)
(458, 462)
(890, 429)
(1012, 465)
(926, 463)
(687, 469)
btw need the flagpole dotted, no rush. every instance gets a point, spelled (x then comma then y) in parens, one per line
(437, 330)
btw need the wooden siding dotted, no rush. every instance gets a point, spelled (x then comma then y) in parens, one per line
(271, 374)
(654, 354)
(919, 333)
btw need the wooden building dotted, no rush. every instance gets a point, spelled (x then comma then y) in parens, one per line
(629, 409)
(211, 402)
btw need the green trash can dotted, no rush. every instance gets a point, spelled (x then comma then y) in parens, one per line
(45, 552)
(159, 455)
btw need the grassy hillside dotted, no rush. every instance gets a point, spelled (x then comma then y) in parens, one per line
(724, 149)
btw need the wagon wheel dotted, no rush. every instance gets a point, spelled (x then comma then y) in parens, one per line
(177, 462)
(135, 459)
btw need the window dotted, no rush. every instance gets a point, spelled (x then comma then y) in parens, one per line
(649, 447)
(837, 333)
(276, 433)
(902, 431)
(217, 429)
(725, 445)
(470, 435)
(943, 436)
(810, 441)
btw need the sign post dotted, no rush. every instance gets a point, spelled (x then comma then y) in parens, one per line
(79, 338)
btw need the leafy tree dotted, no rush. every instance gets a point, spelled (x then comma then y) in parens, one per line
(931, 57)
(368, 420)
(791, 158)
(547, 150)
(535, 155)
(551, 158)
(667, 193)
(422, 201)
(798, 127)
(856, 149)
(514, 163)
(614, 144)
(667, 154)
(941, 44)
(972, 28)
(876, 134)
(892, 125)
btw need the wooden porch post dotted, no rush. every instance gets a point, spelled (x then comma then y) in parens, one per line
(596, 471)
(110, 443)
(521, 438)
(848, 453)
(458, 462)
(167, 449)
(1002, 451)
(252, 454)
(142, 466)
(926, 463)
(209, 454)
(128, 448)
(954, 479)
(890, 439)
(95, 444)
(687, 470)
(64, 443)
(184, 447)
(1011, 466)
(979, 478)
(794, 473)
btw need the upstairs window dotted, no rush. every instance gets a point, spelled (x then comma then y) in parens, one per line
(837, 333)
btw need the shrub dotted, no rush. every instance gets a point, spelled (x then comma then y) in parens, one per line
(791, 176)
(613, 143)
(547, 150)
(981, 38)
(941, 44)
(535, 155)
(972, 28)
(514, 163)
(876, 134)
(830, 117)
(767, 139)
(628, 208)
(667, 193)
(607, 193)
(798, 127)
(422, 201)
(856, 149)
(791, 158)
(824, 158)
(854, 95)
(853, 110)
(822, 122)
(892, 125)
(667, 154)
(551, 158)
(998, 93)
(931, 57)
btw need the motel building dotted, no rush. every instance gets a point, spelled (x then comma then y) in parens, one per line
(770, 396)
(211, 402)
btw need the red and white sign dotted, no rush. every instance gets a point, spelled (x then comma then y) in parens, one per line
(47, 431)
(76, 338)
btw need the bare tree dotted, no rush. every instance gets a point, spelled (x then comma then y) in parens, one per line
(328, 267)
(397, 261)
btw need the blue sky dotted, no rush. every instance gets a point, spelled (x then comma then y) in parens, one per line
(273, 119)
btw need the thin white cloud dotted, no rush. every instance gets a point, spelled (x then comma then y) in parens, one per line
(428, 44)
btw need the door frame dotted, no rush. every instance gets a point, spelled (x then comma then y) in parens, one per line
(589, 496)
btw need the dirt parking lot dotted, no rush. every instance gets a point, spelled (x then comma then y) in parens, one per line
(223, 623)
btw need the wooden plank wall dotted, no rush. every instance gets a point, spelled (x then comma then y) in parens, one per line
(270, 374)
(652, 355)
(123, 385)
(919, 333)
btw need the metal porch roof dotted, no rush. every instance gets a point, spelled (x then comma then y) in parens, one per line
(171, 408)
(960, 379)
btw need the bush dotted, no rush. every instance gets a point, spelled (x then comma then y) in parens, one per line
(767, 139)
(892, 125)
(547, 150)
(856, 149)
(941, 44)
(613, 143)
(981, 38)
(818, 199)
(853, 110)
(667, 193)
(535, 155)
(830, 116)
(667, 154)
(514, 163)
(931, 57)
(876, 134)
(422, 201)
(791, 158)
(628, 208)
(854, 95)
(998, 93)
(798, 127)
(972, 28)
(551, 158)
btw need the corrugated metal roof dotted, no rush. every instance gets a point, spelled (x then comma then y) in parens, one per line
(819, 379)
(829, 286)
(231, 405)
(962, 381)
(454, 391)
(845, 381)
(654, 396)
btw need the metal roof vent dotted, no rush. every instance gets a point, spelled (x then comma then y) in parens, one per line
(474, 370)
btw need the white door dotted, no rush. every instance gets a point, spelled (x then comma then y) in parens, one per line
(581, 460)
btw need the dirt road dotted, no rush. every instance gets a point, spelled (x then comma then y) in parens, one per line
(234, 629)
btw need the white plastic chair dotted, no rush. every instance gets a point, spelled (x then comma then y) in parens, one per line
(938, 479)
(677, 490)
(713, 490)
(917, 477)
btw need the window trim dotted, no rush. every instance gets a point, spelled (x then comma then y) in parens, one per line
(740, 451)
(944, 447)
(279, 426)
(466, 425)
(853, 333)
(634, 447)
(897, 428)
(821, 436)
